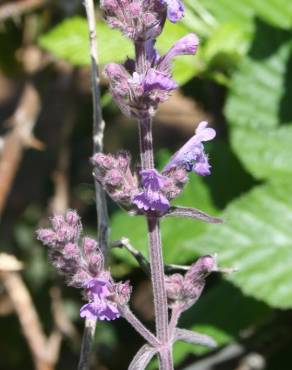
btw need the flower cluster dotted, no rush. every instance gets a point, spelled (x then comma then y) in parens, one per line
(114, 174)
(138, 92)
(184, 291)
(141, 19)
(81, 262)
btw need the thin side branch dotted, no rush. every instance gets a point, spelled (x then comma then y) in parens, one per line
(101, 206)
(142, 260)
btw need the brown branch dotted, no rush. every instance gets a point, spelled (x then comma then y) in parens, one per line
(28, 318)
(44, 350)
(18, 139)
(17, 8)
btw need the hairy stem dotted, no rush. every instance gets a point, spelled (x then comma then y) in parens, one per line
(175, 315)
(87, 344)
(143, 51)
(146, 145)
(165, 358)
(157, 277)
(101, 206)
(156, 257)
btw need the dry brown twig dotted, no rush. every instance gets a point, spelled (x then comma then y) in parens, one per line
(44, 350)
(18, 8)
(20, 137)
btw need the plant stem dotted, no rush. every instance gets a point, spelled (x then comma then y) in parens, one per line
(157, 277)
(156, 257)
(175, 315)
(143, 50)
(146, 143)
(87, 344)
(101, 206)
(98, 126)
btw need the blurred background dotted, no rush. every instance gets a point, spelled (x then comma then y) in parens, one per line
(241, 82)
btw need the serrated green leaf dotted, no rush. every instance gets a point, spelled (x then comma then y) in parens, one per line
(267, 153)
(256, 91)
(256, 239)
(175, 233)
(258, 103)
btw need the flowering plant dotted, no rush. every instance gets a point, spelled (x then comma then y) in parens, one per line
(138, 86)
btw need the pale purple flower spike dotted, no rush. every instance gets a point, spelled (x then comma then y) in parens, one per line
(151, 198)
(82, 263)
(192, 156)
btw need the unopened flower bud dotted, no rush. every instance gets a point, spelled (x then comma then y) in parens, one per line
(89, 245)
(72, 218)
(46, 236)
(122, 293)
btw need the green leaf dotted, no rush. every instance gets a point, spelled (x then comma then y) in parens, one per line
(258, 102)
(257, 240)
(267, 154)
(69, 41)
(225, 11)
(256, 91)
(175, 233)
(276, 12)
(228, 43)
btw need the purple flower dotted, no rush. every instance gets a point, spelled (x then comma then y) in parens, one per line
(99, 310)
(138, 94)
(156, 80)
(152, 198)
(187, 45)
(137, 19)
(192, 156)
(175, 10)
(99, 307)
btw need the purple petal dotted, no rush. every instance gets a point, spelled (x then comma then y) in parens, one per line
(151, 200)
(202, 166)
(191, 155)
(205, 133)
(109, 312)
(187, 45)
(100, 311)
(175, 10)
(89, 311)
(152, 179)
(98, 287)
(155, 80)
